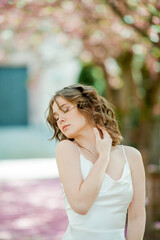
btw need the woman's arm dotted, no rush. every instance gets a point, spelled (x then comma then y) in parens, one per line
(136, 210)
(80, 193)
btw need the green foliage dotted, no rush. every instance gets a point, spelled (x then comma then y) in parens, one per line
(93, 75)
(156, 52)
(135, 116)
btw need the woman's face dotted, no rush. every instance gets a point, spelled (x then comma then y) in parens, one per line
(69, 120)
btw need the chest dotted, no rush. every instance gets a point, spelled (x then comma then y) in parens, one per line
(115, 166)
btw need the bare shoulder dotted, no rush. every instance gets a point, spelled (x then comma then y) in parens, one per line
(134, 157)
(65, 146)
(65, 143)
(68, 163)
(132, 152)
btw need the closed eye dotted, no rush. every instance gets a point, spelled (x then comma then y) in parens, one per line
(64, 111)
(56, 119)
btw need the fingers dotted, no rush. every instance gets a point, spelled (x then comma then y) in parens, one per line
(100, 127)
(104, 131)
(96, 132)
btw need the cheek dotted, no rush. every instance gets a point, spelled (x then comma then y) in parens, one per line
(80, 118)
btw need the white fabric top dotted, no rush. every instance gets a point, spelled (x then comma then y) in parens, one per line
(106, 218)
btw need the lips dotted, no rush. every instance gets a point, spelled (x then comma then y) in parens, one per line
(64, 127)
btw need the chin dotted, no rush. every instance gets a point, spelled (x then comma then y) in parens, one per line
(70, 135)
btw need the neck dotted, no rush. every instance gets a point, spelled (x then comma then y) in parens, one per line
(87, 140)
(90, 150)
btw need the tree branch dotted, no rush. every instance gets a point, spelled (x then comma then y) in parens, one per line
(119, 13)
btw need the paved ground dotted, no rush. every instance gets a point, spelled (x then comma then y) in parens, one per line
(32, 168)
(31, 200)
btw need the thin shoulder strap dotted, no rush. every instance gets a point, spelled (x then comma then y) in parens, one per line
(124, 153)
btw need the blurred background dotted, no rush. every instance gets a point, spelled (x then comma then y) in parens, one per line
(46, 45)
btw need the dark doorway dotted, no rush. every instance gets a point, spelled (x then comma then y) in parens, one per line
(13, 96)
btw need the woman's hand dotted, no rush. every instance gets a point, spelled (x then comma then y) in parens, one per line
(104, 143)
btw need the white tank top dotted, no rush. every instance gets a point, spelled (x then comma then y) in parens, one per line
(106, 218)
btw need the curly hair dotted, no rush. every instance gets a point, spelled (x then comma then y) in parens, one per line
(94, 107)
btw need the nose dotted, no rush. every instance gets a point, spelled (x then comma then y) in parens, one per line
(61, 119)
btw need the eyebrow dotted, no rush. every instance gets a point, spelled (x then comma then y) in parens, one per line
(60, 107)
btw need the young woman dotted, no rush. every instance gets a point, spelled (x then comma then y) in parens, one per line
(103, 181)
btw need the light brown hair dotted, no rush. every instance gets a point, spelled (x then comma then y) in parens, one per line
(96, 109)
